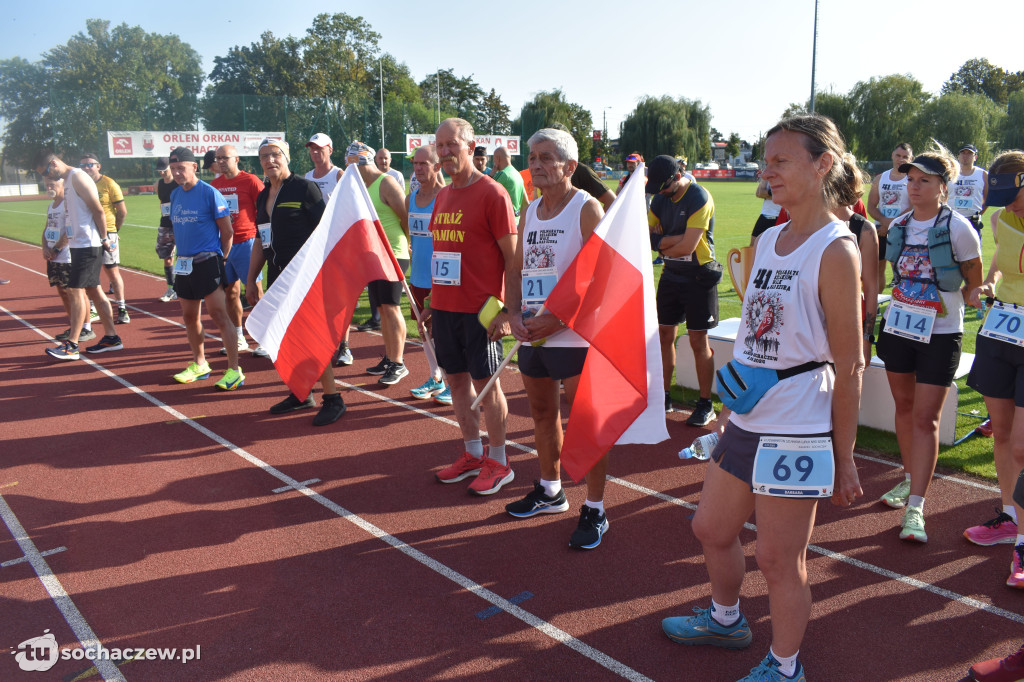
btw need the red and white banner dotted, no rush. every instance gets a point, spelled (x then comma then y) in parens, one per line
(143, 144)
(490, 142)
(300, 319)
(607, 297)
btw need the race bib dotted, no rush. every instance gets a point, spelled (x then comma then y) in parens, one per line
(419, 225)
(165, 210)
(794, 466)
(537, 284)
(1004, 322)
(265, 233)
(232, 200)
(962, 203)
(446, 268)
(183, 265)
(910, 321)
(890, 211)
(52, 234)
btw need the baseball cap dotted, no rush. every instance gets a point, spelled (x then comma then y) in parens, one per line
(1003, 188)
(480, 151)
(926, 164)
(274, 142)
(321, 140)
(968, 147)
(208, 158)
(660, 171)
(162, 163)
(181, 155)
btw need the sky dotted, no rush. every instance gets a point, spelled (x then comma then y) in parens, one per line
(746, 59)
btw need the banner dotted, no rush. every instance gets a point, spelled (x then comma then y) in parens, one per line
(144, 144)
(491, 142)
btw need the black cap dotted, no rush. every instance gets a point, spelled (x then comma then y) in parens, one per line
(208, 158)
(162, 163)
(181, 155)
(660, 171)
(926, 164)
(970, 148)
(480, 151)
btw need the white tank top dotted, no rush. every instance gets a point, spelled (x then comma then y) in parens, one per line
(56, 226)
(549, 247)
(893, 200)
(967, 194)
(783, 326)
(84, 233)
(327, 183)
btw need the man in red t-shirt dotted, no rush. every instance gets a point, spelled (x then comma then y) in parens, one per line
(240, 190)
(474, 233)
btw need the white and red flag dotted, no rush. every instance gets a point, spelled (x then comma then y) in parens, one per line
(607, 297)
(301, 319)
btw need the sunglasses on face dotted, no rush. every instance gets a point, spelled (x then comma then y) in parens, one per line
(89, 164)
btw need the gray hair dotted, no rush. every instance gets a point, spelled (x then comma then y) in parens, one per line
(431, 152)
(463, 128)
(567, 148)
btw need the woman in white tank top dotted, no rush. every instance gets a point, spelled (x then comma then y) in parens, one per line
(792, 317)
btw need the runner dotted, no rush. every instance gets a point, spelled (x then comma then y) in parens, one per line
(968, 194)
(799, 320)
(56, 252)
(114, 207)
(165, 232)
(474, 257)
(508, 177)
(202, 233)
(553, 231)
(888, 199)
(480, 160)
(933, 251)
(382, 159)
(998, 370)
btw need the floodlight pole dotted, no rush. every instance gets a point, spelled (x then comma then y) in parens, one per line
(438, 97)
(382, 143)
(814, 53)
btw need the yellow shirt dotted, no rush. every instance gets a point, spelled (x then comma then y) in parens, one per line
(1009, 236)
(110, 194)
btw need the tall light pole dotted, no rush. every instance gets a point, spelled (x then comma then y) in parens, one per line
(382, 143)
(439, 97)
(814, 53)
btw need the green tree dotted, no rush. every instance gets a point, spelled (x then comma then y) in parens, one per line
(955, 119)
(883, 112)
(493, 115)
(982, 77)
(552, 107)
(732, 146)
(1012, 128)
(459, 96)
(678, 127)
(25, 106)
(339, 54)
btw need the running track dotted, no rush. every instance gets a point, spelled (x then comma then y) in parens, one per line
(138, 512)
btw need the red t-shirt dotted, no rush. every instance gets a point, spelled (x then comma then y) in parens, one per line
(469, 222)
(240, 193)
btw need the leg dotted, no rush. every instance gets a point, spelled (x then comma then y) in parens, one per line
(63, 293)
(1001, 412)
(392, 326)
(102, 304)
(190, 312)
(928, 400)
(495, 411)
(217, 305)
(903, 387)
(544, 399)
(114, 275)
(704, 361)
(78, 311)
(667, 335)
(725, 505)
(327, 382)
(233, 306)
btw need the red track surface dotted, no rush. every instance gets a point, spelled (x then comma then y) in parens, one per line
(162, 496)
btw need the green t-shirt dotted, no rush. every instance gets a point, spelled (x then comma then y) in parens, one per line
(510, 179)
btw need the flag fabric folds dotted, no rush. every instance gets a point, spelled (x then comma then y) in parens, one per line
(607, 297)
(301, 319)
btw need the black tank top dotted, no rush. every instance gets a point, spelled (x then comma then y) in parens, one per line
(163, 192)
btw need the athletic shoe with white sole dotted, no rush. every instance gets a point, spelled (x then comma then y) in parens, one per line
(703, 414)
(592, 526)
(1002, 530)
(65, 351)
(444, 397)
(260, 352)
(538, 502)
(122, 316)
(465, 466)
(493, 475)
(897, 497)
(913, 525)
(428, 390)
(769, 670)
(169, 295)
(343, 358)
(193, 373)
(107, 343)
(380, 368)
(704, 629)
(395, 372)
(243, 345)
(1016, 578)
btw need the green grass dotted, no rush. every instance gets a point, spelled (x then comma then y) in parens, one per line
(736, 210)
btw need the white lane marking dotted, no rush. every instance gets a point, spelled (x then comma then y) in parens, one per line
(286, 488)
(43, 215)
(21, 560)
(451, 574)
(86, 637)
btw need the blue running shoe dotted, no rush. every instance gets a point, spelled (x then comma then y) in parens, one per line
(703, 629)
(768, 671)
(428, 390)
(444, 397)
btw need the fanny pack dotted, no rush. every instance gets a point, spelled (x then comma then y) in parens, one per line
(740, 386)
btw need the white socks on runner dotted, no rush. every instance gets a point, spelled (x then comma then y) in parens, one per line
(916, 501)
(551, 488)
(787, 664)
(599, 506)
(475, 447)
(497, 453)
(725, 615)
(1011, 511)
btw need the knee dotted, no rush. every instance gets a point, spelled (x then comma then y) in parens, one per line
(779, 566)
(709, 533)
(926, 422)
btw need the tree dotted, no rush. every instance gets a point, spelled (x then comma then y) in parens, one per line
(716, 136)
(677, 127)
(955, 119)
(882, 112)
(1012, 129)
(339, 54)
(732, 147)
(981, 77)
(25, 106)
(838, 108)
(459, 97)
(493, 115)
(552, 107)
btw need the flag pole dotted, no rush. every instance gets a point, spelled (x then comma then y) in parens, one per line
(504, 363)
(428, 343)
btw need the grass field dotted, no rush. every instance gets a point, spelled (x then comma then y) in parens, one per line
(736, 210)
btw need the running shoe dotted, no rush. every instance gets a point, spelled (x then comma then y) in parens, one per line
(913, 525)
(93, 315)
(231, 380)
(4, 281)
(897, 497)
(491, 478)
(985, 429)
(1002, 530)
(1016, 578)
(380, 368)
(122, 316)
(343, 358)
(86, 335)
(465, 466)
(169, 295)
(658, 261)
(110, 289)
(1009, 669)
(703, 629)
(395, 372)
(703, 414)
(538, 502)
(331, 409)
(65, 351)
(192, 373)
(592, 526)
(260, 352)
(371, 325)
(243, 345)
(668, 402)
(292, 403)
(64, 335)
(428, 390)
(768, 671)
(444, 397)
(107, 343)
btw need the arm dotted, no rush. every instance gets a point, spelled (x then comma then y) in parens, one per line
(508, 245)
(869, 282)
(683, 244)
(87, 190)
(256, 263)
(226, 234)
(514, 289)
(843, 328)
(606, 199)
(873, 208)
(120, 213)
(971, 270)
(392, 195)
(984, 202)
(48, 254)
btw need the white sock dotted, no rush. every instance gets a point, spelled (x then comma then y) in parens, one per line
(916, 501)
(475, 447)
(551, 488)
(1011, 511)
(908, 477)
(725, 615)
(599, 506)
(787, 664)
(241, 334)
(119, 304)
(1019, 540)
(497, 453)
(87, 325)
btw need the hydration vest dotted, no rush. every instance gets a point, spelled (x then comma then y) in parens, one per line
(946, 273)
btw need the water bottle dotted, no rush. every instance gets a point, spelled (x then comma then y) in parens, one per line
(701, 448)
(981, 311)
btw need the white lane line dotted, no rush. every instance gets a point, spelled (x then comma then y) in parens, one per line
(43, 215)
(286, 488)
(21, 560)
(451, 574)
(86, 637)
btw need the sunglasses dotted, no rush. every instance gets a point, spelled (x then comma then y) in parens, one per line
(90, 164)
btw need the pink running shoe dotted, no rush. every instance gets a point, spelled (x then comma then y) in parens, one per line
(1016, 578)
(1002, 530)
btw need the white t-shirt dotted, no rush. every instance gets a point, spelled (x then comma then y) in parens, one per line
(83, 230)
(967, 194)
(327, 183)
(397, 175)
(892, 195)
(56, 226)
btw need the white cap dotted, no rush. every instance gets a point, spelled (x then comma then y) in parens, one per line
(321, 140)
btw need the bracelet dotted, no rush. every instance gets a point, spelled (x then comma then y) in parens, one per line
(869, 337)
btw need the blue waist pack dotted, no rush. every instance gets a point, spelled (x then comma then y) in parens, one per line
(741, 386)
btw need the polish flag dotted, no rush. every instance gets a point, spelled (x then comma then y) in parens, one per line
(301, 319)
(607, 297)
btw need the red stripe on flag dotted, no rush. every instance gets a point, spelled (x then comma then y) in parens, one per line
(601, 298)
(360, 256)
